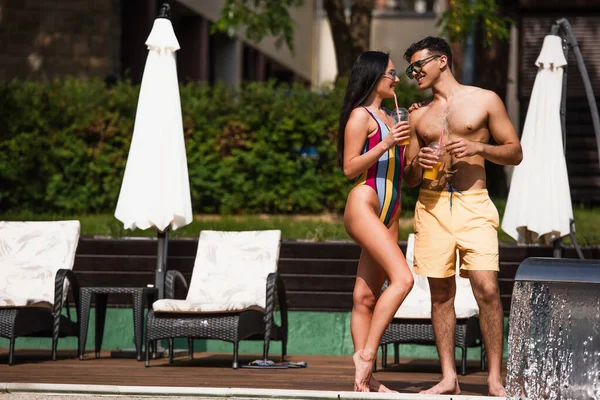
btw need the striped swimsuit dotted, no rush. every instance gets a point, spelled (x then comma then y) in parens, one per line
(385, 176)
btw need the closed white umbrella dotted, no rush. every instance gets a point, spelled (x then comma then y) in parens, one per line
(539, 200)
(155, 191)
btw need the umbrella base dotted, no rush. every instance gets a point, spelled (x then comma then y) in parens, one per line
(126, 353)
(161, 352)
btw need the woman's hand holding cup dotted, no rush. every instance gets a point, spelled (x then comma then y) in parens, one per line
(398, 115)
(399, 135)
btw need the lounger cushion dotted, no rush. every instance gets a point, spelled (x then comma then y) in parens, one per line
(190, 307)
(418, 302)
(30, 255)
(230, 272)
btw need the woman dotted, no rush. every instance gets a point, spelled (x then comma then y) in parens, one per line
(368, 150)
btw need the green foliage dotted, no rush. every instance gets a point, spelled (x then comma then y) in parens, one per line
(259, 148)
(261, 18)
(61, 143)
(463, 14)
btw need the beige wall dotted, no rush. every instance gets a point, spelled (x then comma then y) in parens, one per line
(387, 34)
(301, 62)
(395, 35)
(325, 64)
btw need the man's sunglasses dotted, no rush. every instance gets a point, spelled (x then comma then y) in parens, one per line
(416, 67)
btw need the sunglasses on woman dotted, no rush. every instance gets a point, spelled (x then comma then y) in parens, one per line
(416, 67)
(392, 74)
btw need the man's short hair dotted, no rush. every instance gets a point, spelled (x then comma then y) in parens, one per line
(435, 45)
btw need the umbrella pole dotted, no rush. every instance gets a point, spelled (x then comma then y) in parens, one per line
(557, 244)
(569, 40)
(161, 268)
(161, 263)
(163, 237)
(587, 84)
(563, 99)
(159, 278)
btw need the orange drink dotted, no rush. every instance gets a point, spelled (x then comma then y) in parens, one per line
(432, 174)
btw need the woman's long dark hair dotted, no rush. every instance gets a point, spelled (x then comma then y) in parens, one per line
(366, 71)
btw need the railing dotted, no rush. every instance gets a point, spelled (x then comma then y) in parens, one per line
(318, 276)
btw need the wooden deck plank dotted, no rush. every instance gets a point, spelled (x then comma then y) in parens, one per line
(214, 370)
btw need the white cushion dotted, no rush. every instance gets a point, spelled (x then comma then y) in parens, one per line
(189, 307)
(418, 302)
(230, 272)
(30, 255)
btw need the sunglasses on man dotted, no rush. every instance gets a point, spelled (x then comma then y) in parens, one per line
(416, 67)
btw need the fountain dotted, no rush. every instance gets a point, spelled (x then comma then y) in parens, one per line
(554, 339)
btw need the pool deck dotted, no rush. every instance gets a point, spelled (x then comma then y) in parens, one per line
(209, 375)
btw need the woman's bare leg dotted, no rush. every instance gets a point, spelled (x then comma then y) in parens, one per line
(366, 293)
(367, 287)
(366, 229)
(369, 280)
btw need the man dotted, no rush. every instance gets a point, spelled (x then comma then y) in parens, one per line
(454, 210)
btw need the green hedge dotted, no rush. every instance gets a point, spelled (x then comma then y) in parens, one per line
(260, 148)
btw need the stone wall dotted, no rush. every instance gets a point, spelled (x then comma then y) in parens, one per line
(56, 38)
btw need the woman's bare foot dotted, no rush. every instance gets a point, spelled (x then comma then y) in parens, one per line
(496, 390)
(376, 386)
(446, 386)
(363, 365)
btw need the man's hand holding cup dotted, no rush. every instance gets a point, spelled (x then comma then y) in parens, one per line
(430, 160)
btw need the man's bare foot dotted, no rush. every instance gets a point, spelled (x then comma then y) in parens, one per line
(446, 386)
(496, 389)
(376, 386)
(363, 365)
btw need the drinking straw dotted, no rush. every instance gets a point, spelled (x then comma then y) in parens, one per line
(397, 110)
(441, 136)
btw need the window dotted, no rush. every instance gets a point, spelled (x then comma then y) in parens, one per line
(394, 7)
(404, 6)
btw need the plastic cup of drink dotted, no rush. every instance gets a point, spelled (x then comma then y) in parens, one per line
(400, 114)
(432, 174)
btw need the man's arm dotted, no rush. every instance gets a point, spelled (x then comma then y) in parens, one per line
(412, 169)
(507, 152)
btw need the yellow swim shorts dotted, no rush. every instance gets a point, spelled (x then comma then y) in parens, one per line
(445, 222)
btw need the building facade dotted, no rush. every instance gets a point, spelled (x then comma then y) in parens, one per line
(86, 38)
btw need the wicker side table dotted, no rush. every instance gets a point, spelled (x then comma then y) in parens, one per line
(140, 296)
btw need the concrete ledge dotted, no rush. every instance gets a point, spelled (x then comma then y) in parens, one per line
(41, 390)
